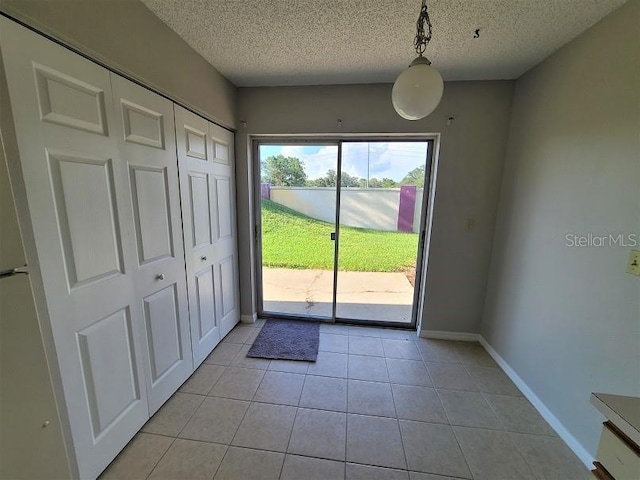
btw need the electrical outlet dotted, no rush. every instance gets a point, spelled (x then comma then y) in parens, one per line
(633, 266)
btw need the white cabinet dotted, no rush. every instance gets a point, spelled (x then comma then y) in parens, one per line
(99, 166)
(618, 454)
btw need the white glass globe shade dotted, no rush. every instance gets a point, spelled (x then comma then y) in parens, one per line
(417, 91)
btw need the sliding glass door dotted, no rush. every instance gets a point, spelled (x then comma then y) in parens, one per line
(298, 214)
(341, 225)
(379, 230)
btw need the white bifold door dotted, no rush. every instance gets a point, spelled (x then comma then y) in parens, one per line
(145, 131)
(99, 166)
(205, 153)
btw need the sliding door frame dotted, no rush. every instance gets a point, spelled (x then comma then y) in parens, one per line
(256, 142)
(425, 221)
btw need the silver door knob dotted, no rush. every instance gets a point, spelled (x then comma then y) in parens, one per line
(160, 276)
(203, 258)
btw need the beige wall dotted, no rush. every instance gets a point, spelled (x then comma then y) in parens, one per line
(127, 36)
(469, 173)
(567, 320)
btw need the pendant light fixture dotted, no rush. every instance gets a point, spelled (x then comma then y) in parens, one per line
(418, 90)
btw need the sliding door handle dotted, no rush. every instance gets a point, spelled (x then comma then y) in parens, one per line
(333, 236)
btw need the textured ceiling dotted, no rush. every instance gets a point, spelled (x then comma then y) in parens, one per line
(308, 42)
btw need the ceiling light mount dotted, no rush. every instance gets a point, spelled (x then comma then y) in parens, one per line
(418, 90)
(423, 37)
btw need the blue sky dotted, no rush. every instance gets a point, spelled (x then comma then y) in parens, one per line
(386, 159)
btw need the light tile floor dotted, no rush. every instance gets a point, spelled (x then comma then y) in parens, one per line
(378, 404)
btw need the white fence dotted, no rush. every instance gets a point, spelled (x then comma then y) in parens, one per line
(375, 208)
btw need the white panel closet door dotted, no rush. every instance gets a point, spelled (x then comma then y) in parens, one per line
(146, 137)
(78, 200)
(224, 230)
(211, 318)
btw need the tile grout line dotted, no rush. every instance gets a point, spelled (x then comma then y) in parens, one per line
(495, 412)
(519, 450)
(482, 392)
(216, 382)
(221, 460)
(446, 414)
(466, 461)
(290, 436)
(426, 367)
(509, 432)
(250, 401)
(155, 465)
(180, 431)
(304, 381)
(194, 412)
(346, 416)
(466, 369)
(506, 430)
(286, 449)
(395, 409)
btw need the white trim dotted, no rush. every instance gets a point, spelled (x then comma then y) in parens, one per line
(577, 448)
(444, 335)
(253, 318)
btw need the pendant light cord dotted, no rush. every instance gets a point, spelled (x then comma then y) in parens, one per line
(422, 37)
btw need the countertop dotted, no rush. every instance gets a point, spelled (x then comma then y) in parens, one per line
(623, 412)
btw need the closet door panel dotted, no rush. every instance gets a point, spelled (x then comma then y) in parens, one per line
(199, 189)
(204, 314)
(200, 210)
(150, 195)
(83, 190)
(113, 390)
(162, 320)
(224, 204)
(225, 243)
(146, 140)
(227, 281)
(77, 189)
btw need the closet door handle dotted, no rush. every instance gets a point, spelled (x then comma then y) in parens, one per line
(203, 258)
(160, 276)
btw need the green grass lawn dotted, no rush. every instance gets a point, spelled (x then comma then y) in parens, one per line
(293, 240)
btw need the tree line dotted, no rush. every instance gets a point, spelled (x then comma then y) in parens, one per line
(279, 170)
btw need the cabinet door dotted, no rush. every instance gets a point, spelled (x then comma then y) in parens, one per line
(77, 189)
(199, 194)
(146, 140)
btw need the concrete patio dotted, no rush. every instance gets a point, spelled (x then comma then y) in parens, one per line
(378, 296)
